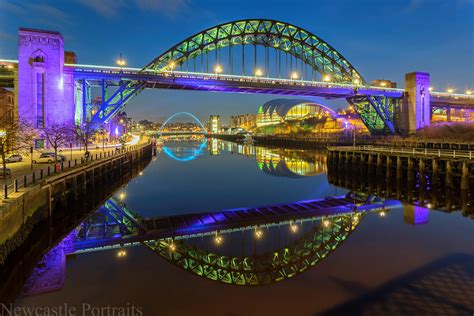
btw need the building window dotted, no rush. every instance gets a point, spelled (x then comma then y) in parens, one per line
(39, 100)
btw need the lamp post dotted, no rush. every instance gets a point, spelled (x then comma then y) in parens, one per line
(121, 62)
(217, 69)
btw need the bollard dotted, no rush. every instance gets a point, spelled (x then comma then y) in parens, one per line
(41, 174)
(69, 164)
(5, 190)
(49, 171)
(24, 181)
(34, 176)
(75, 162)
(16, 185)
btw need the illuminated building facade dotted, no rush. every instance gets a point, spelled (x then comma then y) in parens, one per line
(282, 110)
(214, 125)
(245, 121)
(383, 83)
(7, 108)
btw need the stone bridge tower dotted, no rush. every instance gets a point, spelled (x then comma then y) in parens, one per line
(45, 96)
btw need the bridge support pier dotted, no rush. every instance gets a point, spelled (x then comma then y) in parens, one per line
(415, 112)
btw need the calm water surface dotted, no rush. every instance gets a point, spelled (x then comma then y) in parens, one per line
(386, 265)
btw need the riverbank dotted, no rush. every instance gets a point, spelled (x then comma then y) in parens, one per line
(38, 216)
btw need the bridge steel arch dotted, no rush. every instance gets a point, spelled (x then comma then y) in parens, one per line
(377, 112)
(186, 114)
(268, 268)
(289, 38)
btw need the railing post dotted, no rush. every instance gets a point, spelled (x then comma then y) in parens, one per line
(34, 176)
(5, 190)
(16, 185)
(41, 174)
(24, 181)
(49, 171)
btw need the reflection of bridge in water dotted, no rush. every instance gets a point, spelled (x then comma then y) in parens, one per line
(196, 242)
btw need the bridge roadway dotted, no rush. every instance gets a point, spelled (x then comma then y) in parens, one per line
(96, 75)
(131, 229)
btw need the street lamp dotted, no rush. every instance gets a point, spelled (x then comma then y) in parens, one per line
(468, 91)
(450, 90)
(258, 72)
(430, 89)
(294, 75)
(327, 78)
(121, 62)
(217, 69)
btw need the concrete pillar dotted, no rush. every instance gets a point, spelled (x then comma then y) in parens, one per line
(415, 112)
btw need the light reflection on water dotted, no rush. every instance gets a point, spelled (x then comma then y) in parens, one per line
(226, 175)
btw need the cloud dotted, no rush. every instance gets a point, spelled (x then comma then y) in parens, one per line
(11, 7)
(113, 8)
(169, 8)
(106, 8)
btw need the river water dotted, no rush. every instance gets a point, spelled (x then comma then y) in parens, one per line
(406, 260)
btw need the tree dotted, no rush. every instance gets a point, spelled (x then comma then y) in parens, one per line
(57, 136)
(84, 133)
(16, 136)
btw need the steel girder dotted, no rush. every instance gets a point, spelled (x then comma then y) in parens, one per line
(268, 268)
(291, 39)
(116, 101)
(377, 112)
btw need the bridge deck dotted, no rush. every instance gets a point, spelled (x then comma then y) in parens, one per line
(183, 226)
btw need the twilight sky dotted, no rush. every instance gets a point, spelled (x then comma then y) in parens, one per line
(382, 39)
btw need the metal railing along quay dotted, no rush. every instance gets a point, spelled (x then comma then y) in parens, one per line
(15, 183)
(440, 153)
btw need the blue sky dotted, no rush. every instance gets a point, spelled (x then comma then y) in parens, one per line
(382, 39)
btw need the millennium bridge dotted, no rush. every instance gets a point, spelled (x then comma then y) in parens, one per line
(50, 87)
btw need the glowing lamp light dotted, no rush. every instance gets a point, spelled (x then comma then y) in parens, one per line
(258, 233)
(172, 247)
(121, 254)
(294, 228)
(450, 90)
(383, 83)
(258, 72)
(294, 75)
(218, 240)
(116, 131)
(430, 89)
(218, 69)
(326, 223)
(172, 64)
(356, 81)
(122, 196)
(3, 133)
(382, 214)
(327, 78)
(121, 62)
(10, 66)
(468, 91)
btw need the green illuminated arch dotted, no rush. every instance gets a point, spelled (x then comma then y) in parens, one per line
(267, 268)
(286, 37)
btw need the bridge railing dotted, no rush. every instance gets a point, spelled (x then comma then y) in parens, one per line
(440, 153)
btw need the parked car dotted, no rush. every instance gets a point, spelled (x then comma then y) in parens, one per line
(14, 158)
(48, 158)
(8, 172)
